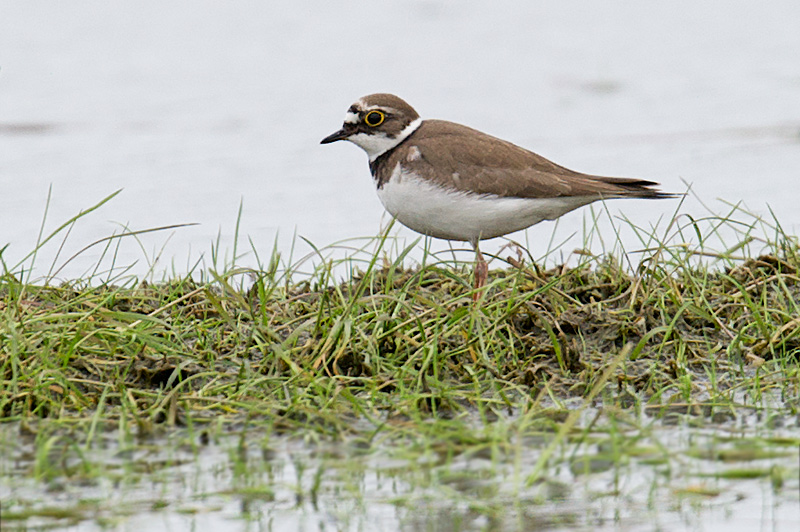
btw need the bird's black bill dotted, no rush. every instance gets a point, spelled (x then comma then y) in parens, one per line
(333, 137)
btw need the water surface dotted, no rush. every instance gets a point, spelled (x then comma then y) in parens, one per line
(196, 107)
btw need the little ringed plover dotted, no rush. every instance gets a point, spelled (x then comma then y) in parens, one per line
(450, 181)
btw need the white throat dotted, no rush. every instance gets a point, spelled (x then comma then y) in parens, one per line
(379, 143)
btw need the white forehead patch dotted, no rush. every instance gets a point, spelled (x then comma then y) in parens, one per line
(363, 106)
(354, 117)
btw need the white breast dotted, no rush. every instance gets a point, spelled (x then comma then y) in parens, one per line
(453, 215)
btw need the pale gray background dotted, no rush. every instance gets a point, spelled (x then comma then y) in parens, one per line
(192, 107)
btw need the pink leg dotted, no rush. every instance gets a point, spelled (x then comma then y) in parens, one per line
(481, 271)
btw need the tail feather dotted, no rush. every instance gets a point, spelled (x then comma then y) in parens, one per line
(637, 188)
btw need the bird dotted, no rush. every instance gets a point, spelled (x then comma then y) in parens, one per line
(449, 181)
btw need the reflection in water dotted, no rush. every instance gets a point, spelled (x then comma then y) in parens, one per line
(671, 478)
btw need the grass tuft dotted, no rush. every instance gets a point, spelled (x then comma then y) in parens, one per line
(394, 345)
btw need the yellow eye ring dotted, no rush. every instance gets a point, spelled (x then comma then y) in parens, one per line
(374, 118)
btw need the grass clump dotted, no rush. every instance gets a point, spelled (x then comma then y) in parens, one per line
(391, 345)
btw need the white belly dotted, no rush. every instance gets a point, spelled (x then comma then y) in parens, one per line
(435, 211)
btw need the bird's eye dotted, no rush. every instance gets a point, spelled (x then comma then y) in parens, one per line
(374, 118)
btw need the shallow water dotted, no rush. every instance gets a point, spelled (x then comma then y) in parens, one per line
(666, 480)
(198, 106)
